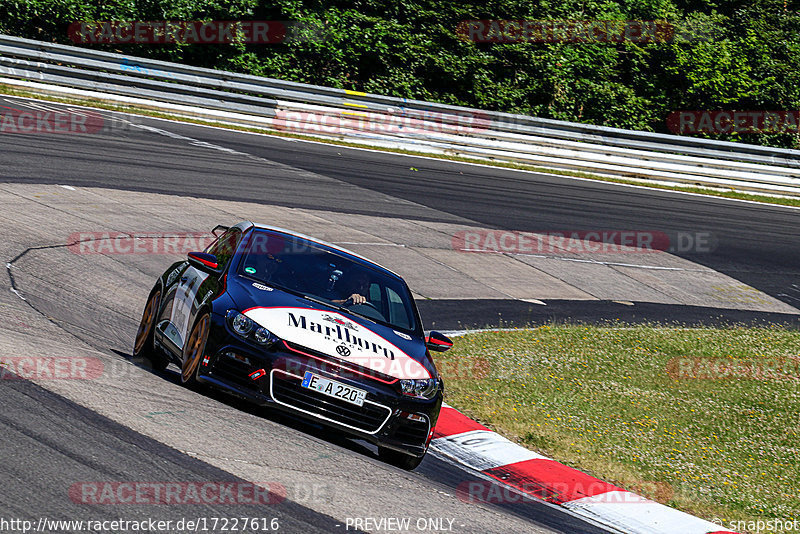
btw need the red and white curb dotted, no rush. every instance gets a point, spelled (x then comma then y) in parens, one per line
(471, 444)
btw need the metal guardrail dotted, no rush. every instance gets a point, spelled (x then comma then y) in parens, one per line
(389, 121)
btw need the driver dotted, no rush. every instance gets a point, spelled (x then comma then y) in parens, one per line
(358, 288)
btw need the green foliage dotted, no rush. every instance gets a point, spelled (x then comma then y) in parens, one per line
(729, 54)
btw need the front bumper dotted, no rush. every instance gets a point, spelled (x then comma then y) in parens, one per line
(271, 376)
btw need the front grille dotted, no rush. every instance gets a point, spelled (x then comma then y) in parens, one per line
(285, 389)
(413, 432)
(336, 362)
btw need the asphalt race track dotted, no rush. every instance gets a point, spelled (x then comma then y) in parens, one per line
(128, 424)
(755, 244)
(46, 436)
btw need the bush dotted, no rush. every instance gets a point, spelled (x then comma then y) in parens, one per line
(410, 49)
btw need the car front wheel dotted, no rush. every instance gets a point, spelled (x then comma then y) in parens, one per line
(194, 349)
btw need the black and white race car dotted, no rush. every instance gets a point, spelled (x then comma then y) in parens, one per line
(302, 326)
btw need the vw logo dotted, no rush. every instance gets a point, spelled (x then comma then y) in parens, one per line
(343, 351)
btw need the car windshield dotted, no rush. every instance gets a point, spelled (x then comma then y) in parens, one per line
(302, 267)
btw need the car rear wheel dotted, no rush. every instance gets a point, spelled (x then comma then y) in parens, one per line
(143, 346)
(399, 459)
(194, 349)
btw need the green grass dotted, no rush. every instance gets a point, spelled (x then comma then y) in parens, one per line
(601, 399)
(717, 192)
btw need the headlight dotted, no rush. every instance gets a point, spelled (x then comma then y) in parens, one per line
(425, 388)
(262, 335)
(242, 324)
(247, 328)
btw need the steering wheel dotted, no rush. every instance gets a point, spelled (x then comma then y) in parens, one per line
(370, 311)
(365, 303)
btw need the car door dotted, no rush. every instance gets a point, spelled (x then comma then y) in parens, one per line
(191, 289)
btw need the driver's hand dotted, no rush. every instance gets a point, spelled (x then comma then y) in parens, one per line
(358, 299)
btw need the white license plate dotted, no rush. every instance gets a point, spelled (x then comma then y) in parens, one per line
(334, 389)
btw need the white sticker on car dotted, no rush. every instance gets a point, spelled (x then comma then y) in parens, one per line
(188, 286)
(262, 287)
(339, 337)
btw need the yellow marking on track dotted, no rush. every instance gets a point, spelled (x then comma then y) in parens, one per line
(354, 93)
(355, 105)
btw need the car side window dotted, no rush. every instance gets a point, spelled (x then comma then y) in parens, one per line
(224, 247)
(374, 293)
(397, 311)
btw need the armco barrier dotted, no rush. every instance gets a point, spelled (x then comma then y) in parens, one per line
(400, 123)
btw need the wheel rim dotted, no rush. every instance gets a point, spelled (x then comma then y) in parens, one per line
(195, 346)
(146, 325)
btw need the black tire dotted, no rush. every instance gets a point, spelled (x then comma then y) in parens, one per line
(399, 459)
(143, 345)
(194, 349)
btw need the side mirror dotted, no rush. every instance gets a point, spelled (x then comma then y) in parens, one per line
(438, 342)
(204, 261)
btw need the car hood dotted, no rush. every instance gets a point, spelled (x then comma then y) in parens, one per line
(343, 336)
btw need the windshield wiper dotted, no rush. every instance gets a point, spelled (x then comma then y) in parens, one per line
(328, 304)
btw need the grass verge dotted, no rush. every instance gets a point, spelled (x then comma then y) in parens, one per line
(101, 104)
(702, 419)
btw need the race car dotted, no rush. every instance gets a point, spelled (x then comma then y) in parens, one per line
(302, 326)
